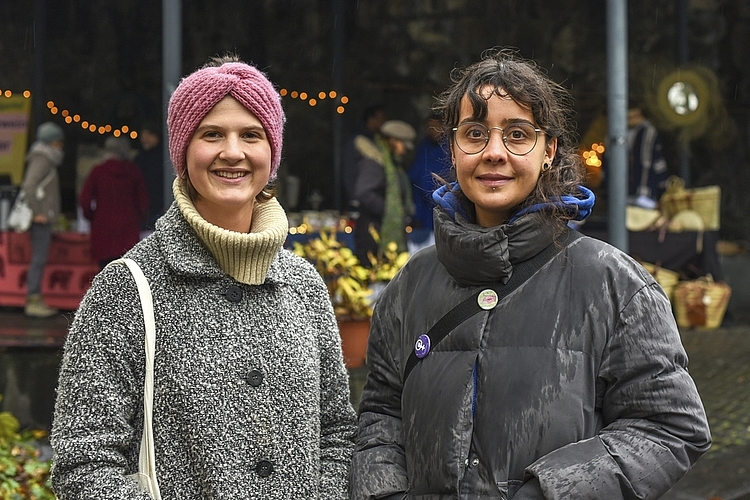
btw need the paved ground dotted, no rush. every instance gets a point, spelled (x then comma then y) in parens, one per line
(719, 363)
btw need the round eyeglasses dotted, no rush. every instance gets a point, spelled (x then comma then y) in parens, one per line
(519, 138)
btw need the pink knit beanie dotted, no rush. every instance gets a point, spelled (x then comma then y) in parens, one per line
(198, 92)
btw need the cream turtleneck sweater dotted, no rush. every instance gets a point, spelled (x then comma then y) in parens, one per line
(245, 257)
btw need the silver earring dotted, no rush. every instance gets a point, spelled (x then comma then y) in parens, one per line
(545, 167)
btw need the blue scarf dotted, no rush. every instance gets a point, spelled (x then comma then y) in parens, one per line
(578, 206)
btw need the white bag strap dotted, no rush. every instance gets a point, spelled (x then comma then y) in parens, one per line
(42, 185)
(147, 457)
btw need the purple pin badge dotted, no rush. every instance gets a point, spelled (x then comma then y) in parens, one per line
(422, 346)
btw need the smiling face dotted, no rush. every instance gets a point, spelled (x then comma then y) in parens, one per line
(494, 179)
(228, 163)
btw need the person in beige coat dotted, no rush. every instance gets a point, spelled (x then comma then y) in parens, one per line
(41, 184)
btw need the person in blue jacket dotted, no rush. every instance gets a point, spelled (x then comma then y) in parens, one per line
(431, 157)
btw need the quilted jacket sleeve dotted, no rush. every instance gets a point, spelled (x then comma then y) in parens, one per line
(654, 423)
(337, 418)
(379, 463)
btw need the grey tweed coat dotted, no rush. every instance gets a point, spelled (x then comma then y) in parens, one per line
(251, 394)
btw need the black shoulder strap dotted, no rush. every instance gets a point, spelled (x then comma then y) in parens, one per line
(470, 306)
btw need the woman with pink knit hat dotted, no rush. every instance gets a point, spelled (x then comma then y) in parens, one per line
(251, 397)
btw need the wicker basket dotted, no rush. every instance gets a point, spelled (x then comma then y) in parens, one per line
(701, 302)
(704, 200)
(666, 278)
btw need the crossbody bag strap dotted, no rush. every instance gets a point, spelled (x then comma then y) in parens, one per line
(43, 184)
(473, 304)
(47, 179)
(147, 457)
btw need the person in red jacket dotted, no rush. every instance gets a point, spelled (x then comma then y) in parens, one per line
(114, 198)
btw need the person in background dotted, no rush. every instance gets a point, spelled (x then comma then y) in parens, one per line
(383, 191)
(647, 166)
(251, 396)
(115, 199)
(41, 182)
(150, 159)
(431, 157)
(363, 138)
(562, 375)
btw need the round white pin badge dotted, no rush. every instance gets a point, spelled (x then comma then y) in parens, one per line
(487, 299)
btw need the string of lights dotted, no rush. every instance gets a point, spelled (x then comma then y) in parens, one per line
(125, 130)
(312, 101)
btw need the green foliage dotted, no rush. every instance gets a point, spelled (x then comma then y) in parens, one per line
(342, 273)
(22, 474)
(348, 281)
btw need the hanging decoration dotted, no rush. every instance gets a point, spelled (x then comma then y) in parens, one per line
(312, 101)
(128, 131)
(75, 118)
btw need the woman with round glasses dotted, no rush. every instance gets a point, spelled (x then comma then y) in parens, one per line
(517, 358)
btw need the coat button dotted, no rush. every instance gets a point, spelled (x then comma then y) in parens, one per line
(234, 293)
(254, 378)
(475, 462)
(264, 468)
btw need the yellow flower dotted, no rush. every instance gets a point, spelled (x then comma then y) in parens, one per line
(348, 281)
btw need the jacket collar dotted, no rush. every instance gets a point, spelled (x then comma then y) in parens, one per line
(478, 256)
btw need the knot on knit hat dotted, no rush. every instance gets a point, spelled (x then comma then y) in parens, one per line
(198, 92)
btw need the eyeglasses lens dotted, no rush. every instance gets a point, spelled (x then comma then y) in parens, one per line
(519, 138)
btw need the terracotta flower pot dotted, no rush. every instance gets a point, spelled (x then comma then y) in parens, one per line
(354, 335)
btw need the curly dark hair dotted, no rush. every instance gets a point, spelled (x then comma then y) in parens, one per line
(551, 104)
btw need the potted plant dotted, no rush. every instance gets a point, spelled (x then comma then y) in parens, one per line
(352, 286)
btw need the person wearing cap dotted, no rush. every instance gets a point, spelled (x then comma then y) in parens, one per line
(251, 396)
(41, 182)
(384, 191)
(372, 119)
(114, 198)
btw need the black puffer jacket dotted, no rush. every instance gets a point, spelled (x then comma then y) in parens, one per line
(577, 378)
